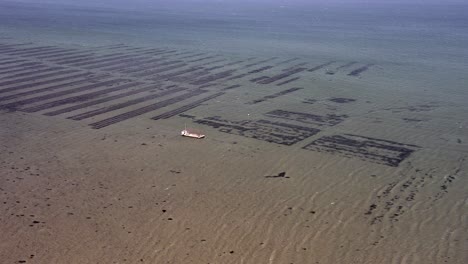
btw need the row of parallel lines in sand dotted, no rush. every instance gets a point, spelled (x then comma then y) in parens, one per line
(34, 52)
(145, 109)
(286, 61)
(187, 107)
(196, 71)
(282, 75)
(92, 63)
(4, 46)
(347, 65)
(121, 61)
(149, 67)
(46, 53)
(360, 70)
(16, 52)
(86, 60)
(320, 66)
(152, 51)
(80, 98)
(260, 62)
(67, 54)
(81, 80)
(192, 56)
(148, 64)
(157, 53)
(19, 47)
(35, 70)
(61, 59)
(123, 64)
(11, 61)
(19, 67)
(113, 46)
(172, 75)
(258, 70)
(36, 99)
(100, 101)
(213, 77)
(275, 95)
(295, 66)
(6, 50)
(204, 58)
(50, 81)
(288, 81)
(43, 76)
(127, 66)
(124, 104)
(70, 61)
(159, 70)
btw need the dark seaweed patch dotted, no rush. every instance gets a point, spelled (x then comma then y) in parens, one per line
(309, 101)
(259, 78)
(149, 65)
(349, 64)
(232, 87)
(282, 75)
(204, 58)
(286, 61)
(280, 175)
(274, 95)
(374, 150)
(341, 100)
(192, 56)
(213, 77)
(288, 81)
(252, 72)
(274, 132)
(260, 62)
(157, 69)
(328, 120)
(320, 66)
(187, 107)
(360, 70)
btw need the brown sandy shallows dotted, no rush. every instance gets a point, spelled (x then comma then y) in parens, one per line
(135, 191)
(124, 194)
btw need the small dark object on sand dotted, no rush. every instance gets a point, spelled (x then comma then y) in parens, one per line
(280, 175)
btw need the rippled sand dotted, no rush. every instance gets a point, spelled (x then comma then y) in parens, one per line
(309, 159)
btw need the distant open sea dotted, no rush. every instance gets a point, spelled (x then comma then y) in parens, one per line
(390, 32)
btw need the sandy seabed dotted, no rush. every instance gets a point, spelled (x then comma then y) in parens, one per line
(350, 167)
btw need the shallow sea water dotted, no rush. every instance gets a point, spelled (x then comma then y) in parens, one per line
(336, 133)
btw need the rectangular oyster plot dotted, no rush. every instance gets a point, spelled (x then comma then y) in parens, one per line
(374, 150)
(327, 120)
(274, 132)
